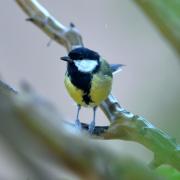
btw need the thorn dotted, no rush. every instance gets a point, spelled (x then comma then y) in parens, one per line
(30, 19)
(49, 42)
(72, 25)
(25, 86)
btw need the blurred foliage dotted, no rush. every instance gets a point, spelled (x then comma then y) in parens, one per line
(42, 127)
(168, 172)
(165, 14)
(36, 132)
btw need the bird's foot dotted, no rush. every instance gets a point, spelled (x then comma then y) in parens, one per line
(91, 127)
(78, 124)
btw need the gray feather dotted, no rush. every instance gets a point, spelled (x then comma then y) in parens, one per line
(116, 67)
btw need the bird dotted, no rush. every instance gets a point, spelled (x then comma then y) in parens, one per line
(88, 80)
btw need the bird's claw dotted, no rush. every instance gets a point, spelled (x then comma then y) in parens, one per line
(78, 124)
(91, 127)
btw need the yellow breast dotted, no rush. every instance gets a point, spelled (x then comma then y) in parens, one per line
(74, 92)
(100, 88)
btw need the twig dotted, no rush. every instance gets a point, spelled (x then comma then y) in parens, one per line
(124, 125)
(69, 37)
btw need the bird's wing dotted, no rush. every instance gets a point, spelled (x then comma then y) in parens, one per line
(115, 68)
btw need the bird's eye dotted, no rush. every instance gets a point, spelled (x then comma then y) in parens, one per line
(76, 56)
(80, 57)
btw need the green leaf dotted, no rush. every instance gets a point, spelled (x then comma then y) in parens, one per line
(168, 172)
(165, 14)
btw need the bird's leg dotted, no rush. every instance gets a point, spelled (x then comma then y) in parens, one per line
(92, 124)
(77, 122)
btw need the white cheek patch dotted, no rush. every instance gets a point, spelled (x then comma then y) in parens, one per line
(86, 65)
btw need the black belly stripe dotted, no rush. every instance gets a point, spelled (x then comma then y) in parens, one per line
(87, 98)
(81, 81)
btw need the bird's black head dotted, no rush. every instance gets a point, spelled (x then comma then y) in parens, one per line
(81, 54)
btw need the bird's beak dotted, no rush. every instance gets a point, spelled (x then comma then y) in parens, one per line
(66, 58)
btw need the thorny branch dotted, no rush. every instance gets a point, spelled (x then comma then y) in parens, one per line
(124, 125)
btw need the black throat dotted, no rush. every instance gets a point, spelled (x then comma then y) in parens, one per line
(82, 80)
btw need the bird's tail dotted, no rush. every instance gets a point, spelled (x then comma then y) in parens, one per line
(115, 68)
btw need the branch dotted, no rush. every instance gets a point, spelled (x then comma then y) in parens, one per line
(136, 128)
(124, 125)
(69, 37)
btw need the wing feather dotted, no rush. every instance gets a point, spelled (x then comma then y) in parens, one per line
(115, 68)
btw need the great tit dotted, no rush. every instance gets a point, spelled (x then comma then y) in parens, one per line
(88, 80)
